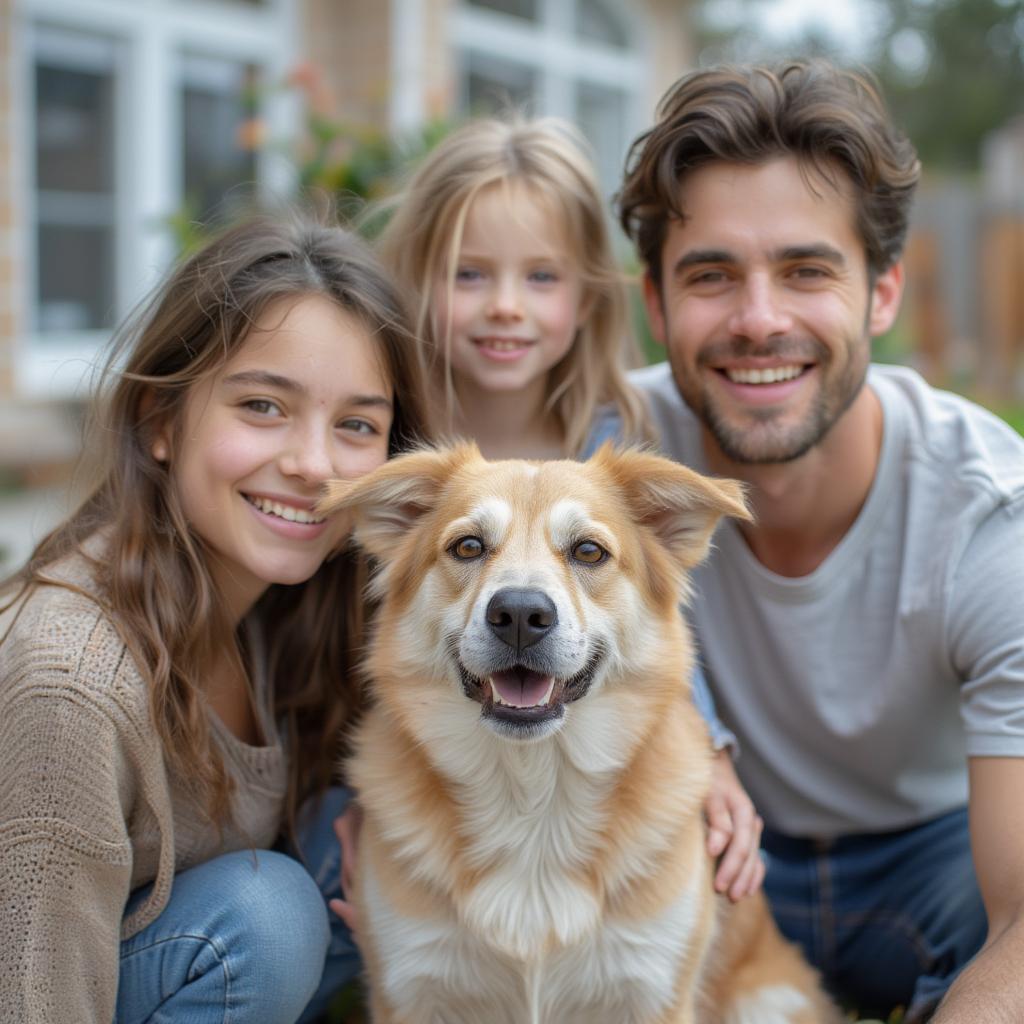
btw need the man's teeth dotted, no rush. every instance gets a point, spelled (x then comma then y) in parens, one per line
(769, 375)
(546, 699)
(289, 512)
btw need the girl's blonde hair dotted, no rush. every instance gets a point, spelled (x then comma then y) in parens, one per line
(422, 239)
(152, 577)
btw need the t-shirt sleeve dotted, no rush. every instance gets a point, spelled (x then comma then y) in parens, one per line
(722, 738)
(65, 855)
(986, 628)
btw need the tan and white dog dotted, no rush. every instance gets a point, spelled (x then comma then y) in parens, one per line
(532, 769)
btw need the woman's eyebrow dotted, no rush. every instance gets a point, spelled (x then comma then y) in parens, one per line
(266, 379)
(263, 378)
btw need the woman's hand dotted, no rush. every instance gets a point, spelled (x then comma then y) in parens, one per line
(346, 828)
(734, 832)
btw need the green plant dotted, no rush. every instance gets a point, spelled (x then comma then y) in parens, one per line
(339, 163)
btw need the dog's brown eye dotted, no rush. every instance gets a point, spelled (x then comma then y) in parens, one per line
(589, 552)
(467, 548)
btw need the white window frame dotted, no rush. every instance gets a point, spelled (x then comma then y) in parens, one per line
(150, 36)
(550, 48)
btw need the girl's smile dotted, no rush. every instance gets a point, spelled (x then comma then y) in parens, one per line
(503, 350)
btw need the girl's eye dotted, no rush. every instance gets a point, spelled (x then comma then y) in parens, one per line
(467, 548)
(262, 407)
(589, 552)
(359, 426)
(468, 275)
(544, 276)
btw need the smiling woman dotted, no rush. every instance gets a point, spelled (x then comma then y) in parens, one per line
(177, 660)
(304, 399)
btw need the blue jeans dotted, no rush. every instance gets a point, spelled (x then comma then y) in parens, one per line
(245, 937)
(889, 919)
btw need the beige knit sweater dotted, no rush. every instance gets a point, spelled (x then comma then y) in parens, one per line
(88, 811)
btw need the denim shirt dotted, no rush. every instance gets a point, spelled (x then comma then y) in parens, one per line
(608, 427)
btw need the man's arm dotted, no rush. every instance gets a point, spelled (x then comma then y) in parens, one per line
(991, 989)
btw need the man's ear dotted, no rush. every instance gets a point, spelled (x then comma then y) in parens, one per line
(886, 295)
(680, 506)
(385, 505)
(655, 309)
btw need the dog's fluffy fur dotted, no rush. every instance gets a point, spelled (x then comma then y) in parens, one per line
(532, 769)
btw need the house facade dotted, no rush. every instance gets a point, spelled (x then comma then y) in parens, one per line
(121, 120)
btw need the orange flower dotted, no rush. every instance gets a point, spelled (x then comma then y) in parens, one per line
(251, 134)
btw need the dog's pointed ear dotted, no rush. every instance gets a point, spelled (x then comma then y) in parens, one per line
(681, 507)
(384, 505)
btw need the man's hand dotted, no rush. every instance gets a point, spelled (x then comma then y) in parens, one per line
(734, 832)
(347, 830)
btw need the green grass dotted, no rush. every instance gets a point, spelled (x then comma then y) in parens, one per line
(1014, 415)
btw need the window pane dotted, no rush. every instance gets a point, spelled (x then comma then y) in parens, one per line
(596, 23)
(493, 86)
(74, 129)
(76, 278)
(601, 114)
(517, 8)
(219, 162)
(75, 88)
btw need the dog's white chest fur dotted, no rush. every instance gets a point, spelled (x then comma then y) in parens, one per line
(529, 942)
(438, 971)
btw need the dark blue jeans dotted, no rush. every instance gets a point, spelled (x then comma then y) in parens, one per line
(246, 936)
(889, 919)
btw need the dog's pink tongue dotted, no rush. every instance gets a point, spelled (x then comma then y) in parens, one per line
(520, 687)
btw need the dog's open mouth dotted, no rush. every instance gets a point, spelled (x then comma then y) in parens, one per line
(521, 688)
(522, 698)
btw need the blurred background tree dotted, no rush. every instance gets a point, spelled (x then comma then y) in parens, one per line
(952, 70)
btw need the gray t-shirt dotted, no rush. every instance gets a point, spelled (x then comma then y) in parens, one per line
(858, 691)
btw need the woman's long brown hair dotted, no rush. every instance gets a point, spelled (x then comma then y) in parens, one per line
(153, 576)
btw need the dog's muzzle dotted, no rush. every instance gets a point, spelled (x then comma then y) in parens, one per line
(522, 691)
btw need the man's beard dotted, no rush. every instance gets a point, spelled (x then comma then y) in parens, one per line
(763, 441)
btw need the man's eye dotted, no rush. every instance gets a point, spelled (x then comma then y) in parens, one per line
(809, 273)
(589, 552)
(467, 548)
(708, 277)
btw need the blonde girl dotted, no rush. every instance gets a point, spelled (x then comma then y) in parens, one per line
(502, 234)
(178, 657)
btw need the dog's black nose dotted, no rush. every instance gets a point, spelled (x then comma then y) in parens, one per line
(520, 617)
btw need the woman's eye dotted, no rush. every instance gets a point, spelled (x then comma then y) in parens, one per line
(467, 548)
(262, 407)
(359, 426)
(588, 552)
